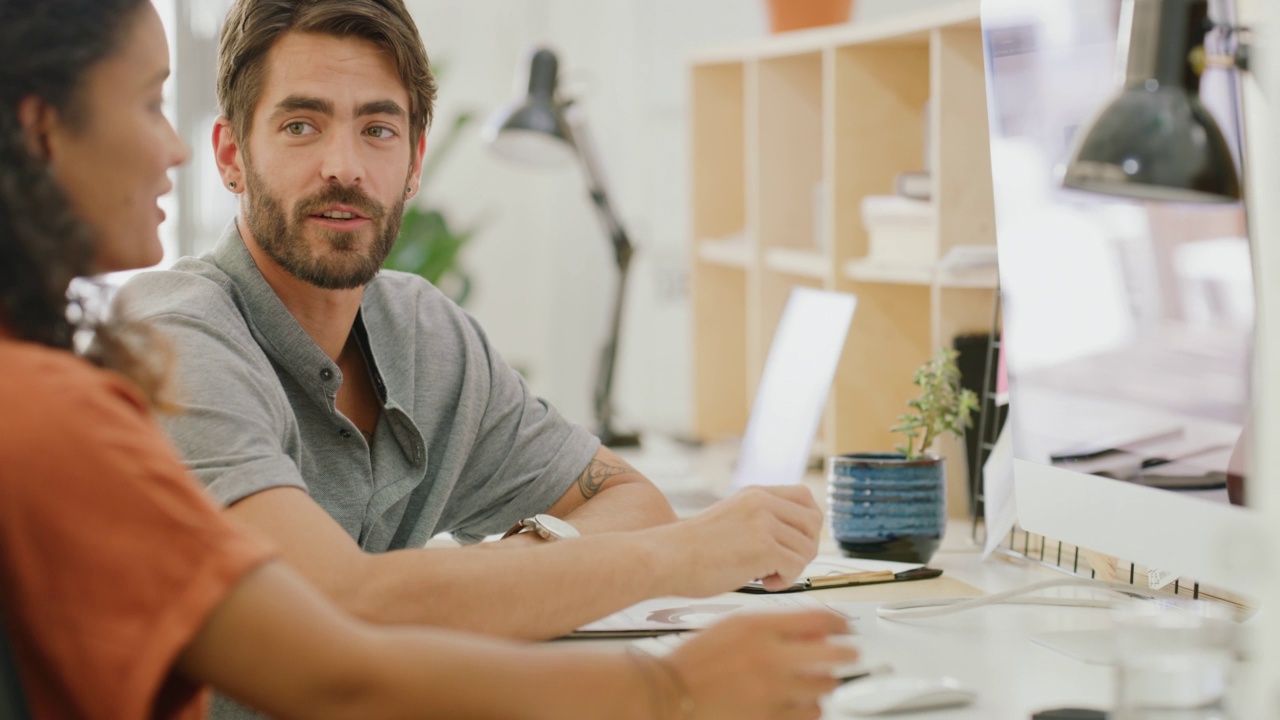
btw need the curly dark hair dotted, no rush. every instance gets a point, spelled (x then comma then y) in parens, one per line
(46, 49)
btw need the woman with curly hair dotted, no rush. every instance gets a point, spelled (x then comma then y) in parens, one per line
(122, 589)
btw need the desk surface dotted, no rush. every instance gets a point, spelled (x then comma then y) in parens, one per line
(988, 649)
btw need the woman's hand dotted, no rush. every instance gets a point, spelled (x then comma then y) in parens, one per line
(771, 665)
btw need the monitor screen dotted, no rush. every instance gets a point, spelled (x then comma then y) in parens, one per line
(1128, 325)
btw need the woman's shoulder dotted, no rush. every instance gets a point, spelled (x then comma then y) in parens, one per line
(70, 429)
(43, 388)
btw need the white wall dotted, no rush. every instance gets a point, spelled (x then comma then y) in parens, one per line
(543, 269)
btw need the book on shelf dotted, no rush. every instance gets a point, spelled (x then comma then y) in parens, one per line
(895, 210)
(914, 185)
(910, 246)
(961, 258)
(974, 265)
(734, 250)
(900, 230)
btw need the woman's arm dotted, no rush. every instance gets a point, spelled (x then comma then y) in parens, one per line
(275, 643)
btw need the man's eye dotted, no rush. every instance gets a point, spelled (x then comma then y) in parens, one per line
(297, 128)
(380, 132)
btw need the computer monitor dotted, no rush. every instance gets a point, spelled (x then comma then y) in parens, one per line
(1129, 326)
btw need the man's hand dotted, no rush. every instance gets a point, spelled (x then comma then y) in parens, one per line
(769, 533)
(766, 533)
(763, 666)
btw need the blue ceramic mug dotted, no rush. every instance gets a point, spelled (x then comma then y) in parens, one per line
(885, 507)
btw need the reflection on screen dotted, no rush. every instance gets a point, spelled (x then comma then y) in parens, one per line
(1128, 325)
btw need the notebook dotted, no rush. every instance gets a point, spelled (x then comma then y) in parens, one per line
(793, 390)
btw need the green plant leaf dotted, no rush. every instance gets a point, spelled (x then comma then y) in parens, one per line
(429, 247)
(942, 407)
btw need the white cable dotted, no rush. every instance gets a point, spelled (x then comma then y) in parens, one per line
(934, 607)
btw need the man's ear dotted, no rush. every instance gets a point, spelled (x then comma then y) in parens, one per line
(226, 152)
(415, 168)
(38, 121)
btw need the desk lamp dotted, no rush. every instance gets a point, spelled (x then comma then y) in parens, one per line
(541, 128)
(1157, 140)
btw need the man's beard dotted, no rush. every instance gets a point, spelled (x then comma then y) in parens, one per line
(341, 268)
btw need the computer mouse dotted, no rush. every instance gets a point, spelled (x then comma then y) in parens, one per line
(880, 694)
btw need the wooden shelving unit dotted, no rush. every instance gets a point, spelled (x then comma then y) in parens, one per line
(789, 134)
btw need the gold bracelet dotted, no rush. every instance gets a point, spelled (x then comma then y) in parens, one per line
(640, 660)
(682, 688)
(684, 699)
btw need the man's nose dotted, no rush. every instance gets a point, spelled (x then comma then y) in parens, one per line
(341, 163)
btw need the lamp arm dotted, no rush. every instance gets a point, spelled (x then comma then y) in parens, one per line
(622, 251)
(596, 187)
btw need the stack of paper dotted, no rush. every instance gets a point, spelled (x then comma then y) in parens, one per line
(900, 231)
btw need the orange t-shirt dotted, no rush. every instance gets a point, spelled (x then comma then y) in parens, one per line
(111, 558)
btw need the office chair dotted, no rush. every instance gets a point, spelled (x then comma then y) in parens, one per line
(12, 704)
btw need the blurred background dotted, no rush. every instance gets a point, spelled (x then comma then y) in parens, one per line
(541, 269)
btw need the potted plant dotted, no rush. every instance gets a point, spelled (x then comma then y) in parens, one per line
(787, 15)
(893, 506)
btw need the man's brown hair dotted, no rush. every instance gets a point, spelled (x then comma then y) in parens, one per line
(252, 27)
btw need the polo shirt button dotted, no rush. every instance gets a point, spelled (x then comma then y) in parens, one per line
(326, 374)
(345, 433)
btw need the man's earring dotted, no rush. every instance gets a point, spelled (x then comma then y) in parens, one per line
(232, 184)
(408, 192)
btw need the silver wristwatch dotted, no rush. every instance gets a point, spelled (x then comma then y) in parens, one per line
(549, 527)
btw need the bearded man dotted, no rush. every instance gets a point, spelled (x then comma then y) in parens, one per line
(350, 414)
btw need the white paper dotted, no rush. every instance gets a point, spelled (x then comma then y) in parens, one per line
(1000, 506)
(675, 614)
(794, 387)
(839, 565)
(1158, 579)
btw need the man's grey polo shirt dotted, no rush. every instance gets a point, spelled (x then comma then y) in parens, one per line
(462, 445)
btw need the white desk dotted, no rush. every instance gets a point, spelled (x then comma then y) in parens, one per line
(988, 649)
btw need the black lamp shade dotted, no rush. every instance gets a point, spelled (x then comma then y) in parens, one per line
(532, 128)
(1159, 144)
(1157, 140)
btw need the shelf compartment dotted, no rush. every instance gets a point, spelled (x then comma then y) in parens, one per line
(906, 28)
(961, 157)
(718, 121)
(789, 107)
(878, 129)
(720, 356)
(800, 263)
(890, 336)
(727, 252)
(869, 271)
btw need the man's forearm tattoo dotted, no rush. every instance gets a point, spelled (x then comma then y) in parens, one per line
(597, 472)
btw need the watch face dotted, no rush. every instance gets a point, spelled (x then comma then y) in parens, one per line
(555, 527)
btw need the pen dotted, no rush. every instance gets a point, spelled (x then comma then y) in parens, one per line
(861, 672)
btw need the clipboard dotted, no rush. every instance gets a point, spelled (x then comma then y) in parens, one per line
(866, 577)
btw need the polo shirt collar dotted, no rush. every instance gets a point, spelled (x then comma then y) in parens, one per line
(273, 326)
(288, 345)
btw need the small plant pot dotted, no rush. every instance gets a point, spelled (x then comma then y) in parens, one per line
(786, 15)
(885, 507)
